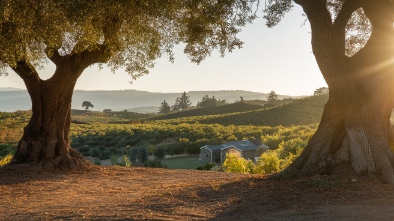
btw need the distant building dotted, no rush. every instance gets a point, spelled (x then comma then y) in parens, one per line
(107, 110)
(247, 149)
(210, 153)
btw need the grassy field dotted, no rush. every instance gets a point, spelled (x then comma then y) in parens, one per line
(184, 162)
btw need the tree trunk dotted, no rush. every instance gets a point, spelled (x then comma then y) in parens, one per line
(45, 142)
(355, 136)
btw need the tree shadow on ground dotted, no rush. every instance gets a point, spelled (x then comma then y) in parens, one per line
(22, 173)
(258, 198)
(118, 193)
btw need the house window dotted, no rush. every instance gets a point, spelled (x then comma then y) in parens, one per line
(207, 155)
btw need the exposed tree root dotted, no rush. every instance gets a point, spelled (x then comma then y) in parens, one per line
(63, 162)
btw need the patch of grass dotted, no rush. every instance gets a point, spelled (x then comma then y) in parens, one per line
(187, 162)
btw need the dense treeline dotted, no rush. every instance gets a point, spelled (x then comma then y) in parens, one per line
(223, 109)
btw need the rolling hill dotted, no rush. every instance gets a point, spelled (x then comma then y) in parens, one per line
(295, 112)
(298, 112)
(225, 109)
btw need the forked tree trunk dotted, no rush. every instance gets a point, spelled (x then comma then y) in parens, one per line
(45, 142)
(354, 136)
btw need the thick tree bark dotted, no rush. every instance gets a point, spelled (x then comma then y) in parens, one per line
(352, 139)
(45, 142)
(355, 135)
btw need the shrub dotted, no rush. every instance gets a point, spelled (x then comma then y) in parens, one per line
(84, 150)
(126, 161)
(160, 153)
(142, 155)
(115, 150)
(105, 154)
(95, 152)
(268, 163)
(114, 160)
(151, 149)
(291, 147)
(175, 149)
(236, 164)
(139, 154)
(7, 149)
(97, 161)
(179, 149)
(6, 160)
(207, 166)
(155, 164)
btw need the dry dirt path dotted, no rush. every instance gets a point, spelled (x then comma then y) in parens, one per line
(116, 193)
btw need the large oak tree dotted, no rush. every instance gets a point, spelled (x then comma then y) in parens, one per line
(75, 34)
(353, 43)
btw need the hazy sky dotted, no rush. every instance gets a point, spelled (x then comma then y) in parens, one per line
(278, 59)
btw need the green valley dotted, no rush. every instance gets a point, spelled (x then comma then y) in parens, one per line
(103, 135)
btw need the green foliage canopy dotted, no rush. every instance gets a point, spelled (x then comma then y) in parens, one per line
(207, 101)
(164, 108)
(182, 102)
(127, 34)
(321, 91)
(272, 97)
(87, 104)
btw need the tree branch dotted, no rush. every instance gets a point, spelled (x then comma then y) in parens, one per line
(380, 16)
(53, 55)
(100, 53)
(97, 54)
(31, 79)
(348, 7)
(324, 36)
(304, 3)
(320, 20)
(28, 73)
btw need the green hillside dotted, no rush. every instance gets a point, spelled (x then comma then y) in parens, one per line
(113, 117)
(298, 112)
(225, 109)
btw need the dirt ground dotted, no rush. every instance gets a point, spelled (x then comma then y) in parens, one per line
(116, 193)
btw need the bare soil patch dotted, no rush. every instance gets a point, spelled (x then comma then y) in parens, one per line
(118, 193)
